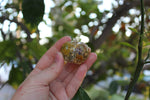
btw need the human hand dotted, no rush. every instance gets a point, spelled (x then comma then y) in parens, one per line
(52, 79)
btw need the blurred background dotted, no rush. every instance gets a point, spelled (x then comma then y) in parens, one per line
(110, 27)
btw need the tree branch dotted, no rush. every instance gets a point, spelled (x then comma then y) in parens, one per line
(3, 35)
(121, 11)
(19, 24)
(148, 55)
(147, 62)
(3, 85)
(140, 63)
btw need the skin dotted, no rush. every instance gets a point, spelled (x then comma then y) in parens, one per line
(52, 79)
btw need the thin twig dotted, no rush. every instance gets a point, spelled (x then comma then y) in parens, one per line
(3, 34)
(148, 55)
(2, 63)
(146, 62)
(3, 85)
(140, 61)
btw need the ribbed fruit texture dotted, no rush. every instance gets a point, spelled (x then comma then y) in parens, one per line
(75, 52)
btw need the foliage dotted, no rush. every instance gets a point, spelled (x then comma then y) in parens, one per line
(81, 95)
(113, 34)
(33, 11)
(8, 49)
(15, 77)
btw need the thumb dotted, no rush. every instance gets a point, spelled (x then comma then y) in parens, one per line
(52, 72)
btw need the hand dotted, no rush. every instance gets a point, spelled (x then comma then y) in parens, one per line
(52, 79)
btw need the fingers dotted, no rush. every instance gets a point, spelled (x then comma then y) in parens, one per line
(58, 90)
(91, 59)
(48, 57)
(71, 69)
(49, 74)
(77, 80)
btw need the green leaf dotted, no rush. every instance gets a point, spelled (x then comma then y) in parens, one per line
(146, 44)
(123, 82)
(33, 11)
(133, 30)
(113, 87)
(7, 50)
(116, 97)
(15, 77)
(81, 95)
(35, 49)
(69, 8)
(128, 45)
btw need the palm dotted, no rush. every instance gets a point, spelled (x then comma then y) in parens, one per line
(65, 81)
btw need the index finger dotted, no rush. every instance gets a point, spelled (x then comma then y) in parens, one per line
(48, 58)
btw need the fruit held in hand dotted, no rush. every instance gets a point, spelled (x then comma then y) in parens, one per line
(75, 52)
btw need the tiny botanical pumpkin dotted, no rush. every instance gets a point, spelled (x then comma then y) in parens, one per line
(75, 52)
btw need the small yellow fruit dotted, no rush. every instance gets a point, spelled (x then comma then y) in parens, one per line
(75, 52)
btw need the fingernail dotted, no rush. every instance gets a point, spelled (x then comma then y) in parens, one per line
(95, 55)
(69, 37)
